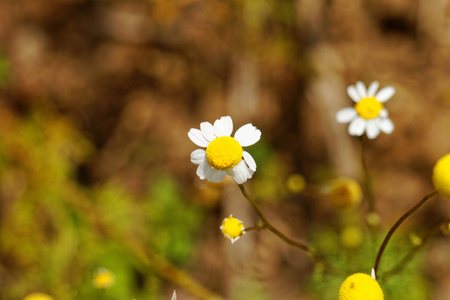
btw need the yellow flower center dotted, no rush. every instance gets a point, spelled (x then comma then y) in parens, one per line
(224, 153)
(360, 286)
(368, 107)
(441, 176)
(232, 228)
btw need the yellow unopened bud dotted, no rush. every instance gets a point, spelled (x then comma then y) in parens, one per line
(441, 176)
(295, 183)
(415, 239)
(445, 229)
(232, 228)
(373, 219)
(38, 296)
(344, 192)
(103, 279)
(360, 286)
(351, 236)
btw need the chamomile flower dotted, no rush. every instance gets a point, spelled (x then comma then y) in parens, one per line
(232, 228)
(224, 154)
(368, 115)
(360, 286)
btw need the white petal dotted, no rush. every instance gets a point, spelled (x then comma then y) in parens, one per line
(385, 94)
(345, 115)
(241, 173)
(223, 127)
(207, 131)
(204, 170)
(372, 88)
(249, 160)
(247, 135)
(217, 176)
(198, 156)
(384, 113)
(386, 125)
(372, 129)
(357, 126)
(352, 93)
(197, 137)
(361, 88)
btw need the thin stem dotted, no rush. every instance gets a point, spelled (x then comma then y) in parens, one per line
(257, 227)
(367, 180)
(402, 264)
(397, 224)
(269, 226)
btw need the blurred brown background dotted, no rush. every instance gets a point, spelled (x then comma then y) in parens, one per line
(134, 76)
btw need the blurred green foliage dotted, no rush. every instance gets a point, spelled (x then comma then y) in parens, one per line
(48, 239)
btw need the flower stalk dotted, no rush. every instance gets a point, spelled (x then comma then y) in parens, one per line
(368, 189)
(402, 264)
(397, 224)
(266, 224)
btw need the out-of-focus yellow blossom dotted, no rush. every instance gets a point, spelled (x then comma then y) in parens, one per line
(360, 286)
(103, 278)
(373, 219)
(38, 296)
(415, 239)
(295, 183)
(232, 228)
(351, 236)
(441, 176)
(344, 192)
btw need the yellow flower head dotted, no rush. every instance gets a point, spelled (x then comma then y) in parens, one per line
(232, 228)
(38, 296)
(103, 279)
(344, 192)
(296, 183)
(441, 176)
(360, 286)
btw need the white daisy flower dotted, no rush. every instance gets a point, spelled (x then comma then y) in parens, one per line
(368, 115)
(224, 154)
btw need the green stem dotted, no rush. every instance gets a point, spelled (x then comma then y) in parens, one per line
(397, 224)
(367, 180)
(402, 264)
(272, 228)
(319, 261)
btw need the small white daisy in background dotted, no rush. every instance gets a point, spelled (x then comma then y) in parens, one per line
(174, 296)
(368, 115)
(232, 228)
(224, 154)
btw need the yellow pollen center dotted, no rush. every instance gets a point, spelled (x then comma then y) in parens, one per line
(232, 228)
(224, 153)
(369, 107)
